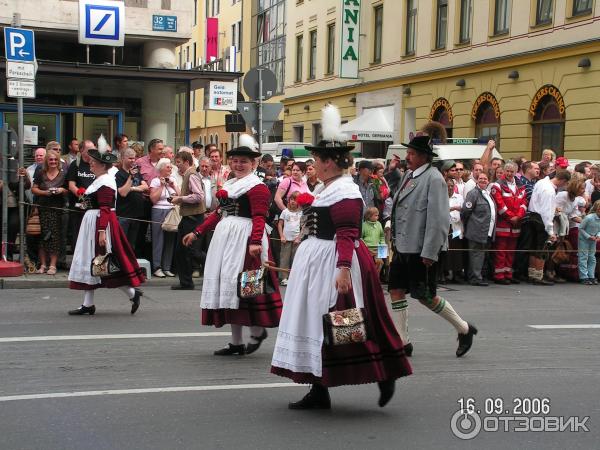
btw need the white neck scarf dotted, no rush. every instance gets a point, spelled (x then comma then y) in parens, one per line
(102, 180)
(344, 188)
(236, 187)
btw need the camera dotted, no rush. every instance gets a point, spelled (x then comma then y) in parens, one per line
(134, 169)
(169, 199)
(53, 190)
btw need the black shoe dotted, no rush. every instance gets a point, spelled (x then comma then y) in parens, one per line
(180, 287)
(135, 301)
(559, 280)
(251, 347)
(232, 350)
(542, 282)
(317, 398)
(514, 281)
(386, 390)
(83, 310)
(502, 281)
(479, 283)
(465, 341)
(408, 349)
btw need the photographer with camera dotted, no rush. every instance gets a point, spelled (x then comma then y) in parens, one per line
(130, 201)
(79, 177)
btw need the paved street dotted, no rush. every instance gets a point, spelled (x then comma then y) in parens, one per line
(224, 403)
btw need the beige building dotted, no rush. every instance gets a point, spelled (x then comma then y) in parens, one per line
(524, 72)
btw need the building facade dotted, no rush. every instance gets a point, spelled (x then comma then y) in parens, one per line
(526, 73)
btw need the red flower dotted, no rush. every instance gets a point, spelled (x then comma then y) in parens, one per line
(222, 194)
(304, 199)
(80, 192)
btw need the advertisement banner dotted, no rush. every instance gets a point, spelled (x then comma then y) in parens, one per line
(350, 38)
(222, 96)
(212, 38)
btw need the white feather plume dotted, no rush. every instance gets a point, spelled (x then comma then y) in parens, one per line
(331, 123)
(102, 144)
(246, 140)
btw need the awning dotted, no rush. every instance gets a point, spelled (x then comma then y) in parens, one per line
(375, 124)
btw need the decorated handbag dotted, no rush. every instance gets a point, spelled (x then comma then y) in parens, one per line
(104, 265)
(344, 327)
(252, 283)
(33, 227)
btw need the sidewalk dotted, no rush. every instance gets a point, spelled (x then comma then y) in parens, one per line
(59, 280)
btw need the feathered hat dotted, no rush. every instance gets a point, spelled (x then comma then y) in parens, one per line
(334, 140)
(101, 153)
(247, 146)
(423, 141)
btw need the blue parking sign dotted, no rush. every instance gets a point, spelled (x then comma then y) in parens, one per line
(19, 44)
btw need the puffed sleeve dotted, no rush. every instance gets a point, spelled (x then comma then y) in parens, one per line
(259, 197)
(106, 201)
(346, 217)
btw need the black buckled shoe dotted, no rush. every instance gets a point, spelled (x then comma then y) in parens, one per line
(317, 398)
(386, 391)
(250, 347)
(83, 310)
(408, 349)
(181, 287)
(232, 350)
(135, 301)
(465, 341)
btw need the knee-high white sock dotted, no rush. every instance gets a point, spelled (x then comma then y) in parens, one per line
(401, 307)
(255, 331)
(128, 290)
(448, 313)
(236, 335)
(88, 298)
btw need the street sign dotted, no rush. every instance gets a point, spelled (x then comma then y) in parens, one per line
(21, 70)
(102, 22)
(269, 83)
(164, 23)
(249, 111)
(19, 44)
(20, 89)
(349, 62)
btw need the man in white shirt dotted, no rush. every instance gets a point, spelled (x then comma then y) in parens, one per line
(538, 225)
(476, 169)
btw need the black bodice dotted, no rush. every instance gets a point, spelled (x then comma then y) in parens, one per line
(316, 221)
(239, 207)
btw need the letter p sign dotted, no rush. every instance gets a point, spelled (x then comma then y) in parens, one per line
(19, 44)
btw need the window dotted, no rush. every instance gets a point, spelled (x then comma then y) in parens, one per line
(195, 12)
(268, 38)
(187, 54)
(216, 6)
(441, 28)
(312, 61)
(582, 7)
(411, 26)
(299, 51)
(466, 21)
(501, 17)
(317, 133)
(543, 13)
(298, 131)
(330, 48)
(235, 35)
(378, 34)
(194, 61)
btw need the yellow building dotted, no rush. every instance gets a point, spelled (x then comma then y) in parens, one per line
(524, 72)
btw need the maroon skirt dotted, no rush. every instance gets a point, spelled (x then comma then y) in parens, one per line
(261, 311)
(380, 358)
(130, 273)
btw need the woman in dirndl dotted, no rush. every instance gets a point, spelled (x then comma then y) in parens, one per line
(334, 271)
(100, 234)
(239, 244)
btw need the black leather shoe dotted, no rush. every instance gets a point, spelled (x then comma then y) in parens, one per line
(465, 341)
(232, 350)
(408, 349)
(386, 390)
(250, 347)
(83, 310)
(479, 283)
(515, 281)
(542, 282)
(179, 287)
(502, 281)
(135, 301)
(317, 398)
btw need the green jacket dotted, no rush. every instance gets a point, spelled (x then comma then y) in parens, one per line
(372, 234)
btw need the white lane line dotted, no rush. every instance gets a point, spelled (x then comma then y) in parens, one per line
(224, 387)
(85, 337)
(566, 327)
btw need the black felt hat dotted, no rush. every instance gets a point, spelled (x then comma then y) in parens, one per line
(421, 144)
(105, 158)
(244, 151)
(329, 147)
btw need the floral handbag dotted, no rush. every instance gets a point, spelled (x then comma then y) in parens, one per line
(344, 327)
(252, 283)
(104, 265)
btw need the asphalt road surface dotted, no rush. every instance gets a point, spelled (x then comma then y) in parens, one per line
(150, 381)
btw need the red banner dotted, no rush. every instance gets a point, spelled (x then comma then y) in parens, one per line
(212, 38)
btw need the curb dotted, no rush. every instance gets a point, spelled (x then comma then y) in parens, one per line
(33, 282)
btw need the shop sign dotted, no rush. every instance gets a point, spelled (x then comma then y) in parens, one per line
(222, 96)
(102, 22)
(350, 39)
(372, 136)
(164, 23)
(486, 97)
(544, 91)
(441, 103)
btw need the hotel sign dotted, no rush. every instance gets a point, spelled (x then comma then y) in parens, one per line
(350, 39)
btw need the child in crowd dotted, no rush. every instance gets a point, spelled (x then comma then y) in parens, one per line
(289, 230)
(373, 235)
(589, 234)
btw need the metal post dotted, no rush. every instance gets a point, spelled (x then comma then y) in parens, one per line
(114, 56)
(260, 110)
(20, 134)
(87, 54)
(4, 236)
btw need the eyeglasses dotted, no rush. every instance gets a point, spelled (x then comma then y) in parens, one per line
(460, 170)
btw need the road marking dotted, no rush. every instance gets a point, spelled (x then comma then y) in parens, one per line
(86, 337)
(566, 327)
(225, 387)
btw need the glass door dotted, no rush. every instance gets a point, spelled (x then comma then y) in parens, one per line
(95, 125)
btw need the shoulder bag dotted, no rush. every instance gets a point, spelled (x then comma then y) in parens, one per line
(33, 227)
(344, 327)
(171, 222)
(104, 265)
